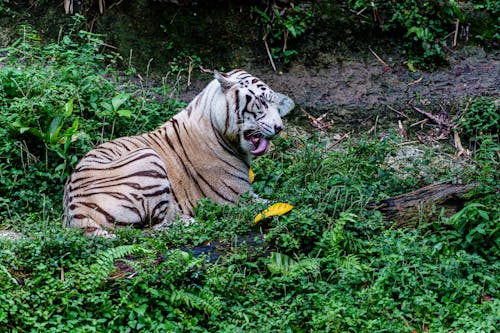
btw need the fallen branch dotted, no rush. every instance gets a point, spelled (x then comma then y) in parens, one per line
(438, 120)
(408, 209)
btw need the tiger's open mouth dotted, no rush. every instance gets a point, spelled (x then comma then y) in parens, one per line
(259, 143)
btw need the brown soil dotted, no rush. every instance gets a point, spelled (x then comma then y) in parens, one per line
(356, 92)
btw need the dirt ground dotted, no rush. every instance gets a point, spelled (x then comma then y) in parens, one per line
(358, 91)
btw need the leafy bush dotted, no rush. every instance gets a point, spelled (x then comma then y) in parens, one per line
(56, 102)
(425, 25)
(481, 117)
(486, 21)
(280, 25)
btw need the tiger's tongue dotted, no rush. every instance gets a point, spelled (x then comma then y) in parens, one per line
(262, 145)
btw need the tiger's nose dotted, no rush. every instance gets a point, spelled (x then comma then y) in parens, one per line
(278, 128)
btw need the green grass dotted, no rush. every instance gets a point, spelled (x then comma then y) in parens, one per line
(329, 265)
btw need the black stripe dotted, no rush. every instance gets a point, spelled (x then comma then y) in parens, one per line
(232, 189)
(99, 209)
(157, 193)
(116, 195)
(176, 129)
(237, 100)
(159, 206)
(123, 163)
(133, 209)
(226, 124)
(181, 162)
(118, 142)
(114, 180)
(132, 140)
(152, 136)
(186, 156)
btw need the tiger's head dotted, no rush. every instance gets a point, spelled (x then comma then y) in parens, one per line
(253, 111)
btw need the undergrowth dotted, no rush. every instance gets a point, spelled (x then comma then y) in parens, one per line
(331, 264)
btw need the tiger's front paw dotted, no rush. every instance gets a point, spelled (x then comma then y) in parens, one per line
(98, 232)
(255, 198)
(186, 220)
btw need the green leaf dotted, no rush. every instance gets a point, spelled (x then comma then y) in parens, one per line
(119, 99)
(108, 107)
(36, 132)
(125, 113)
(68, 108)
(54, 128)
(23, 129)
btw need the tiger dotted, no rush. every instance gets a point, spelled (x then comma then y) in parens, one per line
(204, 151)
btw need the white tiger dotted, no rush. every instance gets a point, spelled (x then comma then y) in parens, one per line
(203, 151)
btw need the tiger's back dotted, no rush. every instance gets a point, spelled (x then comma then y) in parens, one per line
(203, 151)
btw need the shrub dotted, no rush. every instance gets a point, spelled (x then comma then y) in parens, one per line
(56, 102)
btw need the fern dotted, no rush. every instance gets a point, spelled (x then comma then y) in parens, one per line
(280, 263)
(337, 241)
(104, 263)
(350, 262)
(202, 300)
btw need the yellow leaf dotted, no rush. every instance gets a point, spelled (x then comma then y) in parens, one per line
(251, 175)
(277, 209)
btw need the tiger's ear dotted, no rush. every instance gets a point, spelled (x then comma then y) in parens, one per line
(224, 81)
(285, 104)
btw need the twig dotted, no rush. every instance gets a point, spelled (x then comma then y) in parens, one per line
(318, 122)
(378, 58)
(108, 45)
(101, 6)
(415, 82)
(458, 145)
(421, 122)
(398, 112)
(148, 67)
(190, 69)
(401, 130)
(204, 70)
(115, 4)
(373, 129)
(455, 37)
(285, 38)
(361, 11)
(436, 119)
(68, 6)
(337, 141)
(406, 143)
(269, 55)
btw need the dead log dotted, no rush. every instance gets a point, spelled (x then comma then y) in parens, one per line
(409, 209)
